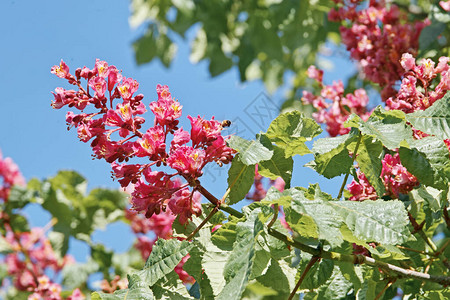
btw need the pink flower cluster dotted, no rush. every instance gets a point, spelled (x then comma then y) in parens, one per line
(153, 190)
(397, 180)
(333, 108)
(377, 36)
(9, 175)
(33, 255)
(415, 91)
(445, 5)
(52, 291)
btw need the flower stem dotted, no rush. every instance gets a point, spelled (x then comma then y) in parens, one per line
(341, 190)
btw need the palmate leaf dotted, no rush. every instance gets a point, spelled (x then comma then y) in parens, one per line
(435, 120)
(165, 255)
(137, 290)
(240, 180)
(427, 159)
(290, 131)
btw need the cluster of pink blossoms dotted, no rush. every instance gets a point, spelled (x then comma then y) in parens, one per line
(153, 190)
(9, 175)
(333, 108)
(397, 180)
(445, 5)
(416, 90)
(32, 254)
(377, 36)
(51, 291)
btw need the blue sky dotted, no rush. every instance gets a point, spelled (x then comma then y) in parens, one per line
(38, 34)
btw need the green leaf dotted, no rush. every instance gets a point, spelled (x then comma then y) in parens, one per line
(280, 277)
(137, 290)
(102, 256)
(240, 180)
(430, 34)
(219, 63)
(384, 222)
(250, 152)
(19, 197)
(336, 287)
(435, 120)
(331, 157)
(5, 246)
(278, 166)
(427, 159)
(290, 131)
(327, 220)
(165, 255)
(77, 274)
(240, 262)
(170, 287)
(369, 156)
(319, 273)
(389, 127)
(433, 201)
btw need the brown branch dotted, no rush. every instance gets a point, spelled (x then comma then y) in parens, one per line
(313, 260)
(213, 211)
(390, 282)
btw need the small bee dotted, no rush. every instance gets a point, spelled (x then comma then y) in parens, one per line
(226, 123)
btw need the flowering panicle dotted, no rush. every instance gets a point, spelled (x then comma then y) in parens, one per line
(377, 36)
(187, 153)
(422, 84)
(32, 254)
(333, 108)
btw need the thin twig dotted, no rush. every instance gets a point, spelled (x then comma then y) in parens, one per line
(413, 250)
(419, 229)
(313, 260)
(391, 282)
(445, 214)
(341, 190)
(275, 216)
(213, 211)
(216, 202)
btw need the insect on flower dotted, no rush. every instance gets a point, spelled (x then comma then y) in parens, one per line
(226, 123)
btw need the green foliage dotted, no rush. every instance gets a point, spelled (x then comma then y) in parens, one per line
(435, 120)
(263, 39)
